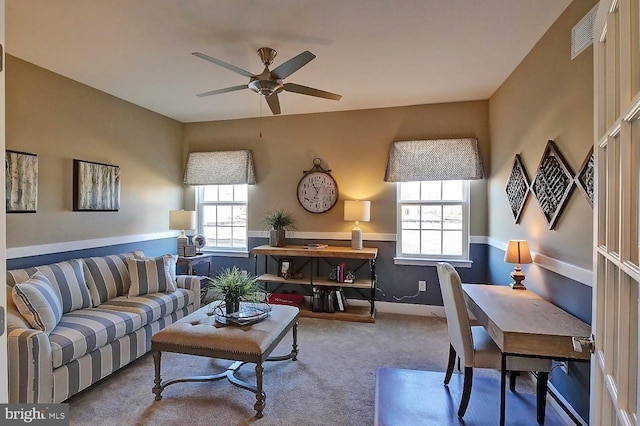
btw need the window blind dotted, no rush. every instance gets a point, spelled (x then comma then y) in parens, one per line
(437, 159)
(220, 168)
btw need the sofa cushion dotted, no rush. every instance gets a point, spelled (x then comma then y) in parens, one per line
(68, 278)
(150, 276)
(107, 277)
(84, 330)
(38, 302)
(152, 306)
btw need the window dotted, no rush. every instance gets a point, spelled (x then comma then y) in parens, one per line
(433, 219)
(222, 216)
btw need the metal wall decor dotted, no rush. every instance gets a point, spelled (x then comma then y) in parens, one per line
(21, 186)
(552, 184)
(517, 188)
(96, 186)
(585, 176)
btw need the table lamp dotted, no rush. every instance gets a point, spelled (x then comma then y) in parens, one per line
(358, 211)
(182, 220)
(518, 253)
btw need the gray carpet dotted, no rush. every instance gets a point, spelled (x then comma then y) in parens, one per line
(331, 383)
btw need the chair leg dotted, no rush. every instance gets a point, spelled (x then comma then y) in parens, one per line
(466, 391)
(451, 365)
(541, 395)
(512, 380)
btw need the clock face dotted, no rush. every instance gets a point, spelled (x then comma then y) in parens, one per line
(317, 192)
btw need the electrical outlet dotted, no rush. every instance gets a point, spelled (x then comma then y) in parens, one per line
(422, 285)
(244, 273)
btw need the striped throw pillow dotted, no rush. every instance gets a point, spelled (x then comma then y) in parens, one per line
(150, 276)
(107, 277)
(68, 278)
(38, 302)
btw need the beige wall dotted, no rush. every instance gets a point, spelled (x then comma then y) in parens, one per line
(353, 144)
(548, 96)
(59, 120)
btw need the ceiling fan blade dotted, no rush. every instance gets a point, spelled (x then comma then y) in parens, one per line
(304, 90)
(274, 103)
(285, 69)
(223, 64)
(225, 90)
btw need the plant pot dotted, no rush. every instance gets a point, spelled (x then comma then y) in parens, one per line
(231, 305)
(277, 238)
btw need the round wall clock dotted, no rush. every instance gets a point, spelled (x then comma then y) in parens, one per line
(317, 190)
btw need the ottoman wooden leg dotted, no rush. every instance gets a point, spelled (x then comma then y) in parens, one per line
(157, 389)
(295, 341)
(260, 396)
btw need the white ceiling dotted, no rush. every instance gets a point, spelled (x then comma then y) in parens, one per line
(375, 53)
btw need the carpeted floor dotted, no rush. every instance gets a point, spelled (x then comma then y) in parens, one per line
(331, 383)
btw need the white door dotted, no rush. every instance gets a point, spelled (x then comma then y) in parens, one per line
(614, 365)
(4, 390)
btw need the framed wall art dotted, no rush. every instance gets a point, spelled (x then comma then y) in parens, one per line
(96, 186)
(553, 184)
(21, 175)
(517, 188)
(584, 178)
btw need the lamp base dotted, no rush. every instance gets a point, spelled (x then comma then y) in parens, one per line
(517, 278)
(356, 239)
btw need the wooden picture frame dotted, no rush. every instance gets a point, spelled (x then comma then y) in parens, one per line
(517, 188)
(285, 267)
(96, 186)
(585, 177)
(553, 184)
(21, 172)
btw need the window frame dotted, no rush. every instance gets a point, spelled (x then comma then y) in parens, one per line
(200, 204)
(418, 259)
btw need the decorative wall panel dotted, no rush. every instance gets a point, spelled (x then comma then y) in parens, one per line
(552, 184)
(517, 188)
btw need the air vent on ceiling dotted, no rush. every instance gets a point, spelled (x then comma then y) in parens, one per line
(582, 33)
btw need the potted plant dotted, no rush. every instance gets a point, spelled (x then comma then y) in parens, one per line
(278, 222)
(233, 286)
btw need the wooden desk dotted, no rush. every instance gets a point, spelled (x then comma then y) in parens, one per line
(192, 261)
(524, 324)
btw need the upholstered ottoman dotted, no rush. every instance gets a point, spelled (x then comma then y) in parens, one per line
(199, 334)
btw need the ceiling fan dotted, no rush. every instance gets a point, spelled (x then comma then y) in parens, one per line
(269, 83)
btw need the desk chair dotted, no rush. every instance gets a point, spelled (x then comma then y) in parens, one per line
(474, 346)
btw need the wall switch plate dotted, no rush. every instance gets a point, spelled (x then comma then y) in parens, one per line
(422, 285)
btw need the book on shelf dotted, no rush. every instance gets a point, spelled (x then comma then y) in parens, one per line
(315, 246)
(340, 299)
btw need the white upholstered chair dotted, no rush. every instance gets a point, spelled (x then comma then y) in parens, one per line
(474, 346)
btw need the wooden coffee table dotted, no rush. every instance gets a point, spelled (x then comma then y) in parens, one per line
(199, 334)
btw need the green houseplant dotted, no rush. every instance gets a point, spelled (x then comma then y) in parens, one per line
(278, 222)
(233, 286)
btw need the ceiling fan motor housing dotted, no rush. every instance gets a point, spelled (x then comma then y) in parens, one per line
(265, 87)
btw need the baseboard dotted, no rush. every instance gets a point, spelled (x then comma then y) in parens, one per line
(403, 308)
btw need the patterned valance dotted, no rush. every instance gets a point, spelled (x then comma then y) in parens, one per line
(220, 168)
(437, 159)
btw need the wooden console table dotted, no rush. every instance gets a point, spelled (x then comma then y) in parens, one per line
(311, 266)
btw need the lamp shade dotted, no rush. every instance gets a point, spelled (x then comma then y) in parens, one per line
(357, 210)
(518, 252)
(182, 219)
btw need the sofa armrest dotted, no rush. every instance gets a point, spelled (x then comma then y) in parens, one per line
(30, 366)
(190, 282)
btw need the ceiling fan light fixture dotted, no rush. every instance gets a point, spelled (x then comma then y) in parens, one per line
(266, 87)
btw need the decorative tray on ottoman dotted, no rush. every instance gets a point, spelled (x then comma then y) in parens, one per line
(249, 313)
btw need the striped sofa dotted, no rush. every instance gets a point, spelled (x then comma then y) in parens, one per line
(102, 324)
